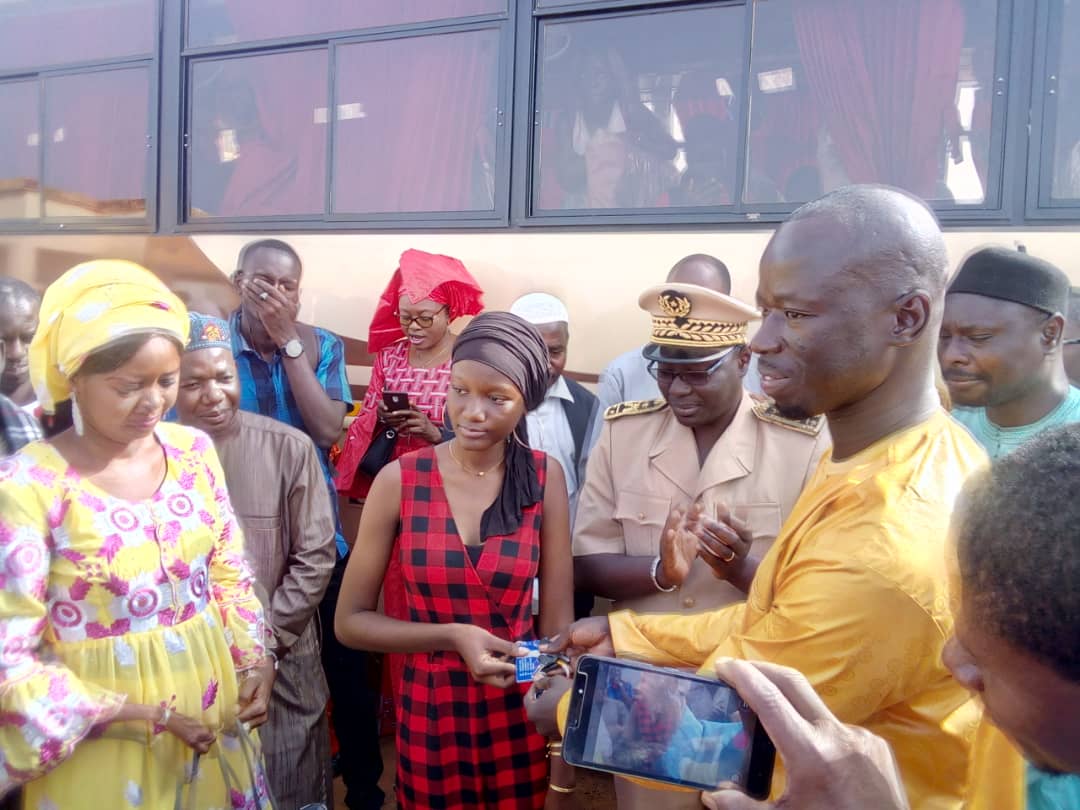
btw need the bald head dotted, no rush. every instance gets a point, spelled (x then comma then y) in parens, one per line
(851, 292)
(703, 270)
(880, 234)
(13, 289)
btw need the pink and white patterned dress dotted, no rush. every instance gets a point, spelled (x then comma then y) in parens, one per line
(426, 388)
(103, 601)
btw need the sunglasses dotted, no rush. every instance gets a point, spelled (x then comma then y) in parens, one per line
(695, 378)
(423, 321)
(1071, 342)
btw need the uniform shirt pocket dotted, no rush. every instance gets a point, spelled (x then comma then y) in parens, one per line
(642, 517)
(765, 520)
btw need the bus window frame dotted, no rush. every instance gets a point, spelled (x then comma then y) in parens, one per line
(1046, 55)
(41, 75)
(997, 208)
(328, 220)
(1020, 166)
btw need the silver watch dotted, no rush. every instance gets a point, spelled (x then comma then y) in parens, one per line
(293, 349)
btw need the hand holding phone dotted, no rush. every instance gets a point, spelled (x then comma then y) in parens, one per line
(829, 765)
(395, 401)
(665, 725)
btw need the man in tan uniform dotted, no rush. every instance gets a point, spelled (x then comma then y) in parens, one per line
(705, 442)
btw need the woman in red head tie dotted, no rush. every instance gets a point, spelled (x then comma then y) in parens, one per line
(411, 339)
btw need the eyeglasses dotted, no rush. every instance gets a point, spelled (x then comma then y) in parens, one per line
(695, 378)
(423, 321)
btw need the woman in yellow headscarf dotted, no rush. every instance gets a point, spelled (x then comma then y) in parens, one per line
(131, 641)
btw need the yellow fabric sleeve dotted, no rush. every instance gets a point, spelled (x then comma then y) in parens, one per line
(48, 709)
(857, 659)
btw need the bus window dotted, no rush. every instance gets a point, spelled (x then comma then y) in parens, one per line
(640, 110)
(874, 91)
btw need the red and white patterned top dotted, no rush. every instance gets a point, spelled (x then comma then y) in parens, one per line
(426, 388)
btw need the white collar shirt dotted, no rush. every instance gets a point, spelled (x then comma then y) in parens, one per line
(549, 431)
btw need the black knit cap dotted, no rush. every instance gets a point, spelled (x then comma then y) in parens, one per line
(1009, 275)
(515, 349)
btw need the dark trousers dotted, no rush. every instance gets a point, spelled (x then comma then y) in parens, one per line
(356, 703)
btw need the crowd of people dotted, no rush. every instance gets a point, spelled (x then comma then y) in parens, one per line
(850, 499)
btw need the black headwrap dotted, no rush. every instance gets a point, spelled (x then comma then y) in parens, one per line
(1009, 275)
(515, 349)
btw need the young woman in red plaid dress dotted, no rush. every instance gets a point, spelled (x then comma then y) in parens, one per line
(475, 519)
(411, 340)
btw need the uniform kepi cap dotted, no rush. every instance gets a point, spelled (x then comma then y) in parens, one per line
(1009, 275)
(686, 316)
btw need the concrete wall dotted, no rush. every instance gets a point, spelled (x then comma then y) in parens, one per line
(598, 275)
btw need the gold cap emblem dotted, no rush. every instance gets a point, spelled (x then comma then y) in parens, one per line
(718, 320)
(673, 304)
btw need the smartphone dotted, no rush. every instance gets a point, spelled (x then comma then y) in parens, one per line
(665, 725)
(395, 401)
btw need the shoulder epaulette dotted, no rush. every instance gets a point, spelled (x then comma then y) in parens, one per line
(634, 407)
(766, 411)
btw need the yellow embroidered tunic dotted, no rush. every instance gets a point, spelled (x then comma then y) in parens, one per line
(854, 594)
(103, 601)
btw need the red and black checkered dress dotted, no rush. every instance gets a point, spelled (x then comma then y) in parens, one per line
(461, 743)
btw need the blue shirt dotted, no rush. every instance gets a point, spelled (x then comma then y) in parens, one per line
(1047, 791)
(1000, 441)
(265, 389)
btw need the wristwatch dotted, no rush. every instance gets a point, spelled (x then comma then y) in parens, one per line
(293, 349)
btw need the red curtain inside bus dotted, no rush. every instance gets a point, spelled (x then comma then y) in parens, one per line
(883, 75)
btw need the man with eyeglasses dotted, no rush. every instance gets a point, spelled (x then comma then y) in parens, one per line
(627, 376)
(683, 494)
(1001, 349)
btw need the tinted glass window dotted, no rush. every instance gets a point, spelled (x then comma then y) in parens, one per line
(416, 124)
(640, 111)
(258, 135)
(97, 147)
(1063, 97)
(19, 145)
(40, 33)
(871, 91)
(214, 22)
